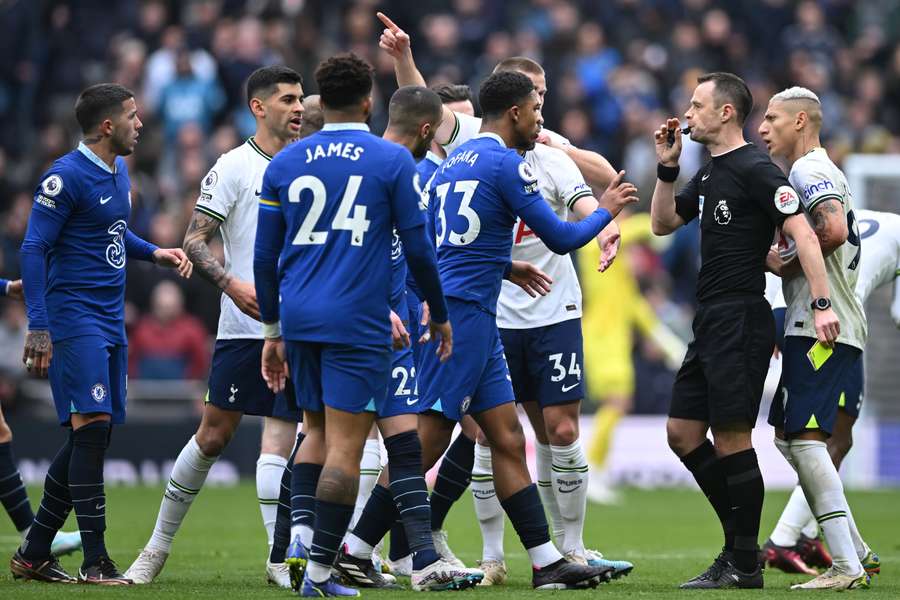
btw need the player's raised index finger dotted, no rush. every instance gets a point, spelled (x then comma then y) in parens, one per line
(387, 22)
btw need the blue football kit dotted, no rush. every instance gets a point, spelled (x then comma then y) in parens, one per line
(474, 200)
(73, 267)
(322, 264)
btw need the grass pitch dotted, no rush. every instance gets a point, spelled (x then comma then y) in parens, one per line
(670, 535)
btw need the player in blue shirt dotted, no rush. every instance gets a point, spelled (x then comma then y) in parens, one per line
(73, 267)
(475, 198)
(414, 114)
(328, 208)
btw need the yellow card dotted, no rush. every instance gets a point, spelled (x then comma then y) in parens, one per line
(818, 354)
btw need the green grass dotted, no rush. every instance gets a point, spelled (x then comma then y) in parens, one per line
(669, 535)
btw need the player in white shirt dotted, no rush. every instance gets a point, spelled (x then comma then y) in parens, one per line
(228, 203)
(795, 534)
(542, 336)
(811, 386)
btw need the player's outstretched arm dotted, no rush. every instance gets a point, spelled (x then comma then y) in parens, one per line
(563, 237)
(140, 249)
(528, 277)
(200, 231)
(609, 239)
(810, 256)
(663, 217)
(396, 43)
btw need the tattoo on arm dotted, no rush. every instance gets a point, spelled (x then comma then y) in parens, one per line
(200, 230)
(829, 209)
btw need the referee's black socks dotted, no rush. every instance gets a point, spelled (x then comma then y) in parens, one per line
(86, 487)
(708, 471)
(745, 491)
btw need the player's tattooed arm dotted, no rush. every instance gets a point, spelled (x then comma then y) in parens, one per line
(830, 225)
(38, 351)
(196, 244)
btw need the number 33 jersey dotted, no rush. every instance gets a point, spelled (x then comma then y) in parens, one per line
(90, 204)
(817, 180)
(341, 192)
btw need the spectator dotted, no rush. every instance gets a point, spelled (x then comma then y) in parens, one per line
(167, 343)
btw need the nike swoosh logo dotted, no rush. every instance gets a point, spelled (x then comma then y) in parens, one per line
(705, 177)
(566, 388)
(411, 402)
(100, 506)
(105, 200)
(259, 193)
(562, 491)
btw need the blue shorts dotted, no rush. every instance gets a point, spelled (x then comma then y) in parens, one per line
(89, 375)
(545, 362)
(415, 330)
(851, 397)
(809, 399)
(779, 314)
(341, 376)
(403, 393)
(476, 377)
(236, 382)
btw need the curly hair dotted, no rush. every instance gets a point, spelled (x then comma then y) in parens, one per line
(344, 80)
(501, 91)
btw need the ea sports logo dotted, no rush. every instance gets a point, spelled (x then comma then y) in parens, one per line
(98, 392)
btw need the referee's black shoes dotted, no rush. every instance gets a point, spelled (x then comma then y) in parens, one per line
(723, 574)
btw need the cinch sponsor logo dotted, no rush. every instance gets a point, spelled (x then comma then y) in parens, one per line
(814, 188)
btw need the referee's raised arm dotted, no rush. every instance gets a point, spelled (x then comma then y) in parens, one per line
(663, 217)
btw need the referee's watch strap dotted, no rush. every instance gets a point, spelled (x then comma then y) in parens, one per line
(666, 173)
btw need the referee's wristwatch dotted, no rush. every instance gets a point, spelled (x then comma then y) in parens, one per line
(821, 304)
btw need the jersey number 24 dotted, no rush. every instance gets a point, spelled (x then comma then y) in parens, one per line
(357, 225)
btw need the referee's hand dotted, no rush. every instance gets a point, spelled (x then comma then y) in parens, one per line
(828, 327)
(665, 153)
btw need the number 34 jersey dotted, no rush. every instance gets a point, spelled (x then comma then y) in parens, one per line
(90, 203)
(817, 180)
(341, 192)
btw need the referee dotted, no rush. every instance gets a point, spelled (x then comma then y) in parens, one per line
(740, 196)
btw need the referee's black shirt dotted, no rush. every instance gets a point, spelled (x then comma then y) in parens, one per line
(741, 196)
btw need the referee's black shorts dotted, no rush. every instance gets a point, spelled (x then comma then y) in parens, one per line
(721, 379)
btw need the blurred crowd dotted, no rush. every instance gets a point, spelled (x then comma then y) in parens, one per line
(615, 70)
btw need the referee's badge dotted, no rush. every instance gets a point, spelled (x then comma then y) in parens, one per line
(786, 200)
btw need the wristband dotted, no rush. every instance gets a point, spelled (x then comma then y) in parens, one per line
(272, 330)
(666, 173)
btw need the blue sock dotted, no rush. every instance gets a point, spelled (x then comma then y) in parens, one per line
(304, 479)
(282, 536)
(377, 517)
(411, 494)
(526, 513)
(453, 478)
(86, 487)
(56, 504)
(12, 490)
(331, 524)
(399, 544)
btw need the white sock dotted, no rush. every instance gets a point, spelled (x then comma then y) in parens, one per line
(369, 470)
(318, 573)
(487, 505)
(792, 520)
(188, 475)
(543, 555)
(825, 493)
(305, 532)
(784, 447)
(862, 548)
(570, 486)
(811, 528)
(269, 469)
(545, 483)
(357, 547)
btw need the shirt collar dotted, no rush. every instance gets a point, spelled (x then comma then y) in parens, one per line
(433, 157)
(345, 127)
(82, 147)
(493, 136)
